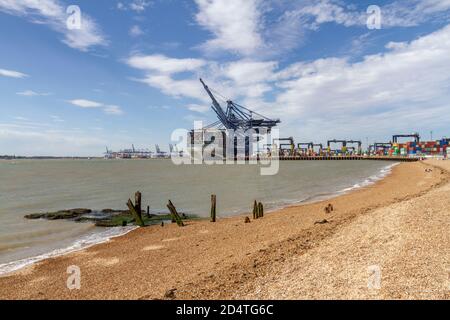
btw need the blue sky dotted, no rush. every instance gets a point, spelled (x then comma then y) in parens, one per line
(130, 74)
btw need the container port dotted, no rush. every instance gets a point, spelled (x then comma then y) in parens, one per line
(238, 118)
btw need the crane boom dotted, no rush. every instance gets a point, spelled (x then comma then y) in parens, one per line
(238, 117)
(217, 108)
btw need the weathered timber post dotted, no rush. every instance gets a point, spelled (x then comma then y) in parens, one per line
(213, 208)
(138, 202)
(255, 210)
(175, 215)
(260, 210)
(135, 214)
(148, 212)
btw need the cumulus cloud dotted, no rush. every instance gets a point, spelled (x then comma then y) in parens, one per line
(398, 13)
(89, 104)
(12, 74)
(234, 24)
(271, 28)
(53, 14)
(163, 64)
(138, 6)
(180, 77)
(159, 72)
(381, 80)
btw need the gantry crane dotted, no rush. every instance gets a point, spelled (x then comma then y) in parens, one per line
(382, 145)
(238, 117)
(290, 144)
(416, 137)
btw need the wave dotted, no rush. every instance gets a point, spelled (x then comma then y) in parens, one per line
(328, 195)
(82, 243)
(372, 179)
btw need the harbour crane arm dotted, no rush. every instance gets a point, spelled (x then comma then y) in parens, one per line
(217, 108)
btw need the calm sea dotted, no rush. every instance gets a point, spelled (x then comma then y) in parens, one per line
(29, 186)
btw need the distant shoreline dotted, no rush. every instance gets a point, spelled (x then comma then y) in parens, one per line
(47, 158)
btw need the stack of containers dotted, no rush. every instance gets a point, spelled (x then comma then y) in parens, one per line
(432, 148)
(395, 150)
(444, 146)
(411, 148)
(402, 147)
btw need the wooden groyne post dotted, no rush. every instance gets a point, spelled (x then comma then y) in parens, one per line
(135, 209)
(138, 202)
(260, 210)
(175, 216)
(255, 210)
(213, 207)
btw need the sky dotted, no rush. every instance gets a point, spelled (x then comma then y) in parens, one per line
(128, 72)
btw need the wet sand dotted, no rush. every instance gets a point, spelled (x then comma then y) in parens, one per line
(285, 255)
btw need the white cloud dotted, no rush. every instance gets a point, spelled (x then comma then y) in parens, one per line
(160, 70)
(200, 108)
(82, 103)
(395, 14)
(239, 78)
(331, 11)
(189, 88)
(108, 109)
(53, 14)
(12, 74)
(250, 72)
(138, 6)
(163, 64)
(31, 93)
(235, 25)
(136, 31)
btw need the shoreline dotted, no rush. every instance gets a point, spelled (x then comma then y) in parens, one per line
(11, 267)
(161, 244)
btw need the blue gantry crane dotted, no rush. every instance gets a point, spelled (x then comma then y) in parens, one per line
(236, 116)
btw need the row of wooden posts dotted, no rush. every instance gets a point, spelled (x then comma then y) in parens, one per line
(136, 210)
(258, 209)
